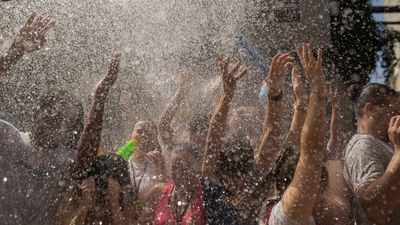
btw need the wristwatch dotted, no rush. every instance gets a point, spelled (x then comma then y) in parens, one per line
(277, 97)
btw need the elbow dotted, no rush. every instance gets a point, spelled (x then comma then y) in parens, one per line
(375, 211)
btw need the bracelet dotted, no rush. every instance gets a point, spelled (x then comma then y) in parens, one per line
(302, 108)
(276, 98)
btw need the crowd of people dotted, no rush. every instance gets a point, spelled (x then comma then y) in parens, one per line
(223, 171)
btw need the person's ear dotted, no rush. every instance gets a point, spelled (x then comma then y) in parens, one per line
(369, 109)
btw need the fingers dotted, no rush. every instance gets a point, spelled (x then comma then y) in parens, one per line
(31, 19)
(276, 57)
(48, 26)
(287, 64)
(45, 19)
(282, 56)
(392, 121)
(155, 157)
(115, 62)
(299, 51)
(311, 58)
(235, 68)
(305, 54)
(223, 63)
(242, 73)
(320, 58)
(397, 122)
(88, 184)
(36, 24)
(295, 75)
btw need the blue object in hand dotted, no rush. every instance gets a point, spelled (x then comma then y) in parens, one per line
(252, 52)
(263, 95)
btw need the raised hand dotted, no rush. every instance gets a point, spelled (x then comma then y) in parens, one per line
(90, 139)
(114, 189)
(113, 70)
(312, 67)
(32, 36)
(230, 77)
(88, 188)
(156, 158)
(333, 96)
(184, 81)
(394, 131)
(298, 86)
(280, 65)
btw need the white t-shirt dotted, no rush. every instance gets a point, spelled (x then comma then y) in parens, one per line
(366, 159)
(278, 217)
(33, 180)
(143, 176)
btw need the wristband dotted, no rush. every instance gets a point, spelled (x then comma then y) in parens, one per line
(276, 98)
(263, 94)
(302, 108)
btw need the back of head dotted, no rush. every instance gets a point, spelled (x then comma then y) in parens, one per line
(236, 157)
(56, 106)
(247, 120)
(103, 167)
(284, 169)
(112, 166)
(374, 93)
(188, 149)
(199, 122)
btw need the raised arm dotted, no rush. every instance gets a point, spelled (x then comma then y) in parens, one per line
(166, 131)
(380, 197)
(337, 140)
(30, 38)
(269, 146)
(90, 138)
(298, 200)
(219, 119)
(300, 110)
(337, 196)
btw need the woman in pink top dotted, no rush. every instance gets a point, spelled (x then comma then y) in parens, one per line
(183, 204)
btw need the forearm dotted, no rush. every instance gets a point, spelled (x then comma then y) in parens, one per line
(382, 194)
(117, 215)
(313, 132)
(215, 134)
(80, 216)
(299, 198)
(10, 58)
(337, 140)
(167, 116)
(272, 131)
(294, 134)
(91, 136)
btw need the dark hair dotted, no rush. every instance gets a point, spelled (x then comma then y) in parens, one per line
(189, 149)
(285, 166)
(199, 122)
(46, 103)
(374, 93)
(105, 166)
(236, 157)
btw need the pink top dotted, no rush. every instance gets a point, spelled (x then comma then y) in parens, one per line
(165, 216)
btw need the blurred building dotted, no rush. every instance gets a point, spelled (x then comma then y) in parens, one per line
(392, 20)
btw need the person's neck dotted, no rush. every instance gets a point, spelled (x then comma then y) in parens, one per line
(185, 192)
(139, 156)
(372, 131)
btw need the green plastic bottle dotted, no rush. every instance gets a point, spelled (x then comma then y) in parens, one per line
(127, 150)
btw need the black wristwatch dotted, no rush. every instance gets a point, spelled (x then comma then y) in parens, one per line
(276, 98)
